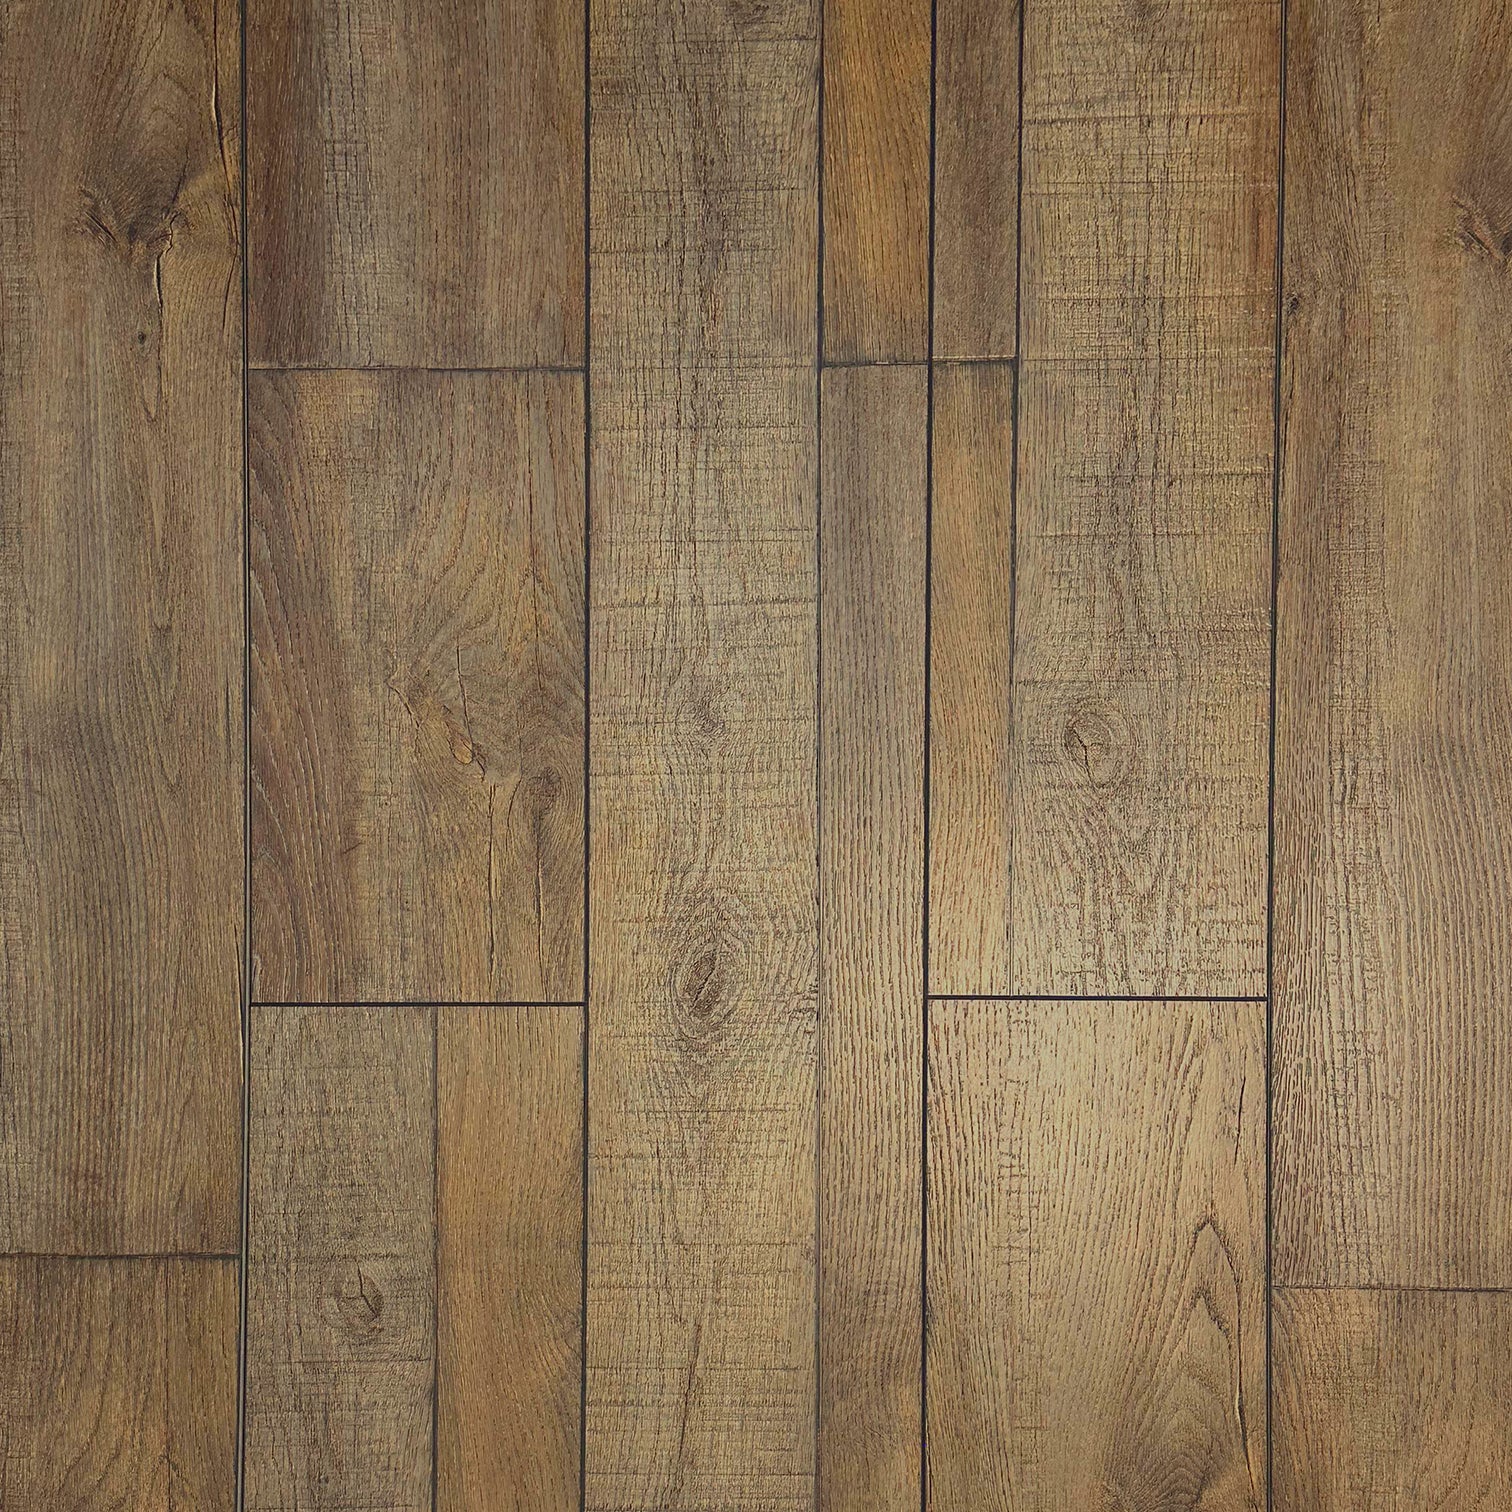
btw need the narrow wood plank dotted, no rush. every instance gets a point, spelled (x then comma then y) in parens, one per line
(342, 1285)
(121, 771)
(976, 178)
(1393, 945)
(971, 674)
(417, 698)
(1393, 1401)
(1097, 1256)
(415, 183)
(702, 978)
(509, 1220)
(119, 1388)
(871, 805)
(876, 180)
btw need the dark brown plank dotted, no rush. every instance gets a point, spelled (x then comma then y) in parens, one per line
(415, 183)
(871, 1046)
(417, 745)
(121, 772)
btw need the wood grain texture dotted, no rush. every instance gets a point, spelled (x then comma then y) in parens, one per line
(971, 675)
(1393, 1401)
(121, 769)
(703, 873)
(417, 699)
(1138, 755)
(871, 1046)
(119, 1387)
(876, 180)
(415, 178)
(1393, 942)
(509, 1225)
(1097, 1256)
(976, 184)
(342, 1280)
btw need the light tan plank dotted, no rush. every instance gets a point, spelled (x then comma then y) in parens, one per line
(1097, 1256)
(1393, 944)
(417, 743)
(871, 805)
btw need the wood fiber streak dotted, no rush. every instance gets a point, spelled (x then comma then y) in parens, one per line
(1393, 934)
(871, 805)
(417, 687)
(1097, 1256)
(703, 878)
(121, 768)
(415, 182)
(342, 1286)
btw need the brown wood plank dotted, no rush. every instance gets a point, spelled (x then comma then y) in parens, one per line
(703, 874)
(415, 183)
(121, 770)
(1393, 938)
(509, 1220)
(871, 806)
(417, 699)
(1393, 1401)
(119, 1386)
(1097, 1256)
(342, 1285)
(976, 178)
(876, 180)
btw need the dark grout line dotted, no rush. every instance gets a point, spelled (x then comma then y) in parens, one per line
(435, 1433)
(134, 1256)
(519, 370)
(820, 367)
(587, 730)
(415, 1003)
(840, 365)
(1372, 1287)
(1096, 997)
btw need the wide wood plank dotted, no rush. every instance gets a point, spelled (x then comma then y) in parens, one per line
(121, 769)
(119, 1386)
(509, 1229)
(1393, 936)
(871, 807)
(1391, 1401)
(1097, 1256)
(703, 875)
(417, 698)
(415, 183)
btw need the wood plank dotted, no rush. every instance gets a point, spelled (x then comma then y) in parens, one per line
(976, 178)
(1392, 1401)
(1393, 939)
(342, 1281)
(417, 697)
(509, 1221)
(1097, 1256)
(703, 876)
(871, 1002)
(415, 178)
(120, 1384)
(121, 770)
(876, 180)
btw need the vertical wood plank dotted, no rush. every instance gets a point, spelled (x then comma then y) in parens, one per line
(415, 183)
(342, 1285)
(1097, 1256)
(121, 772)
(1393, 944)
(702, 977)
(871, 805)
(417, 699)
(509, 1226)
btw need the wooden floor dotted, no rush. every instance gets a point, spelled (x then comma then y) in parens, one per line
(755, 755)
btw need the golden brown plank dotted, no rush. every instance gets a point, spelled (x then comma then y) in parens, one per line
(1097, 1256)
(417, 747)
(121, 771)
(702, 979)
(415, 183)
(509, 1219)
(1393, 938)
(871, 807)
(1393, 1401)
